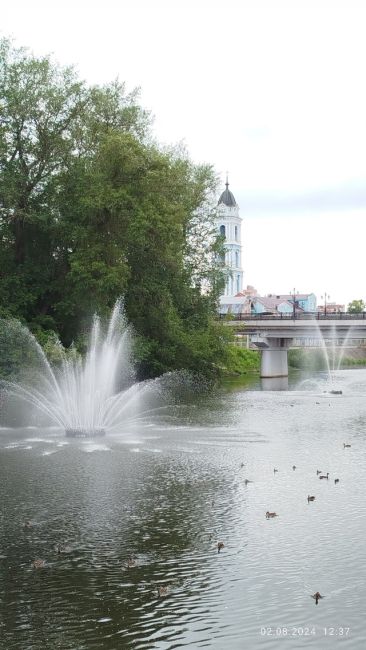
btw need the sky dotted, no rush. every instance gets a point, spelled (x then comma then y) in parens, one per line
(272, 91)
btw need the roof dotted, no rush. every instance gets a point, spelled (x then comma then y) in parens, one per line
(227, 197)
(272, 302)
(298, 296)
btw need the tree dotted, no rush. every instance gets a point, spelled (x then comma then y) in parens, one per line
(50, 126)
(91, 209)
(356, 307)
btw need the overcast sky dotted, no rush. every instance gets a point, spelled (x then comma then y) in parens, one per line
(271, 90)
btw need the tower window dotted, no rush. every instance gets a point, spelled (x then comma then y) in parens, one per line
(236, 233)
(222, 230)
(236, 259)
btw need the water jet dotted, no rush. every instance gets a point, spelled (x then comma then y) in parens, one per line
(91, 395)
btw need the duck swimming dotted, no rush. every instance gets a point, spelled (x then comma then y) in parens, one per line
(38, 564)
(316, 597)
(311, 498)
(270, 515)
(220, 546)
(163, 590)
(62, 548)
(325, 475)
(345, 445)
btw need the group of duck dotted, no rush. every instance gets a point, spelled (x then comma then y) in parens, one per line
(160, 590)
(271, 515)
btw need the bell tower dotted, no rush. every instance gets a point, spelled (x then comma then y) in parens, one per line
(229, 225)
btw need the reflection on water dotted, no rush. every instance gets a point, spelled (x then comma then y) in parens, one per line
(274, 383)
(128, 528)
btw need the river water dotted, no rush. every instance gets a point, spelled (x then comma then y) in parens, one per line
(166, 492)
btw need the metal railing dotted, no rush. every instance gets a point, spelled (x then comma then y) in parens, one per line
(296, 316)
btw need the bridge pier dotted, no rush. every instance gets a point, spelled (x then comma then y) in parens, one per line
(273, 356)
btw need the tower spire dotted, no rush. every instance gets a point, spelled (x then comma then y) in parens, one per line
(227, 180)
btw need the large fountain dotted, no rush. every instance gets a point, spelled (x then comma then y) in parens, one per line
(86, 396)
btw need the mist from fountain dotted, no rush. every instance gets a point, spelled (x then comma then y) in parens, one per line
(86, 395)
(333, 354)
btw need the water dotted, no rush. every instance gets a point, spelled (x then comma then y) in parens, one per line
(165, 491)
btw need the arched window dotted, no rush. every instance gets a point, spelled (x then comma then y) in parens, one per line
(222, 230)
(236, 233)
(236, 259)
(238, 284)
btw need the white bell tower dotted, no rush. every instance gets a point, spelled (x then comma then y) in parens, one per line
(229, 224)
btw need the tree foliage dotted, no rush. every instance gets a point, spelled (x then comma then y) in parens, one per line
(356, 307)
(92, 209)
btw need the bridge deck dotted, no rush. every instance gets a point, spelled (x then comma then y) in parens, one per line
(303, 325)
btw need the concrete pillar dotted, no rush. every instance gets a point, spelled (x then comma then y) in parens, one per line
(273, 355)
(274, 362)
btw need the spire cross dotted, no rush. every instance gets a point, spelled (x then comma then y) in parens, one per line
(227, 180)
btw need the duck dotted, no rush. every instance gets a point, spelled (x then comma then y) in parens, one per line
(241, 464)
(246, 481)
(131, 562)
(269, 515)
(275, 470)
(324, 475)
(220, 546)
(316, 597)
(294, 467)
(310, 498)
(38, 564)
(163, 590)
(336, 480)
(62, 548)
(345, 445)
(318, 471)
(27, 524)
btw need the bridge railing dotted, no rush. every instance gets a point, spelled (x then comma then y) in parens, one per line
(296, 316)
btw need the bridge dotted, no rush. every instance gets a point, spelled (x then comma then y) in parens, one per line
(274, 334)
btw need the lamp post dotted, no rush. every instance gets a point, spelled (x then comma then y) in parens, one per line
(294, 303)
(325, 298)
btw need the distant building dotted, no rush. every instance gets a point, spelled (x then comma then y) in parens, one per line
(239, 304)
(284, 303)
(249, 302)
(229, 225)
(331, 308)
(304, 301)
(271, 305)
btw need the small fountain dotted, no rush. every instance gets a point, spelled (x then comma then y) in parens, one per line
(334, 354)
(86, 396)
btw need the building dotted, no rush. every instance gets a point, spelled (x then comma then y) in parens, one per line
(239, 304)
(271, 305)
(229, 225)
(284, 303)
(249, 302)
(331, 308)
(304, 301)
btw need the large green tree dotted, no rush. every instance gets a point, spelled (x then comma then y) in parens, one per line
(92, 209)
